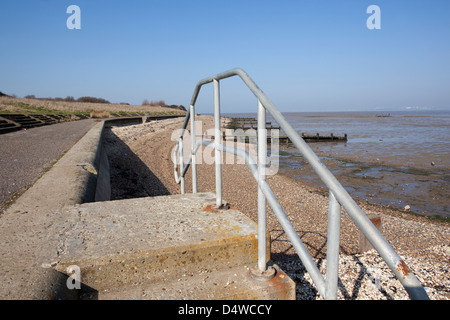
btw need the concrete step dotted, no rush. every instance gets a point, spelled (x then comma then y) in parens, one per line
(9, 129)
(4, 124)
(156, 240)
(44, 118)
(7, 126)
(227, 284)
(24, 120)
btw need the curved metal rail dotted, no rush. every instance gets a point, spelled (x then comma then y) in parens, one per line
(338, 196)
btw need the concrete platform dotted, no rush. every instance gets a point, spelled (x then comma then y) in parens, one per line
(166, 248)
(234, 283)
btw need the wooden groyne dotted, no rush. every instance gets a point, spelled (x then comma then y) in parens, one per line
(252, 123)
(248, 123)
(383, 115)
(319, 138)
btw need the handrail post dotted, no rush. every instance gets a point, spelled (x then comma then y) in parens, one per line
(334, 225)
(180, 141)
(217, 139)
(262, 153)
(193, 152)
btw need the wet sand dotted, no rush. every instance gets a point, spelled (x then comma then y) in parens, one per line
(421, 189)
(141, 165)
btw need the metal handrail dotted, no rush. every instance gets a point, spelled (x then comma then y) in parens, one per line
(338, 196)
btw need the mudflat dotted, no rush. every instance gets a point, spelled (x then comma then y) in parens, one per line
(419, 189)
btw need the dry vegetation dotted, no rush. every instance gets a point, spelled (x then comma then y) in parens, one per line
(42, 106)
(153, 103)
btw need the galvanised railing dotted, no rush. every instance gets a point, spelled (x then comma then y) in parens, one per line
(338, 196)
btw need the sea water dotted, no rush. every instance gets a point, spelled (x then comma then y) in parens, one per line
(398, 159)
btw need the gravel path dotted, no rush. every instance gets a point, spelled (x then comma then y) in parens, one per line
(27, 154)
(142, 153)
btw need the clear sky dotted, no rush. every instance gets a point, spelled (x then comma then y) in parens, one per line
(305, 55)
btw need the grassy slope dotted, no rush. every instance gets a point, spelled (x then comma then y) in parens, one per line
(30, 106)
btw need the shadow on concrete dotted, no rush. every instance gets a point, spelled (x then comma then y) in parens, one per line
(57, 287)
(130, 177)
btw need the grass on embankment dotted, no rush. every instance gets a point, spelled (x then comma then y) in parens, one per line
(9, 105)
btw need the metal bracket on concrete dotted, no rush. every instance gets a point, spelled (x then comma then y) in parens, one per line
(262, 275)
(225, 206)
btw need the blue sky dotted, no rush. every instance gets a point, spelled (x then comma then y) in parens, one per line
(305, 55)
